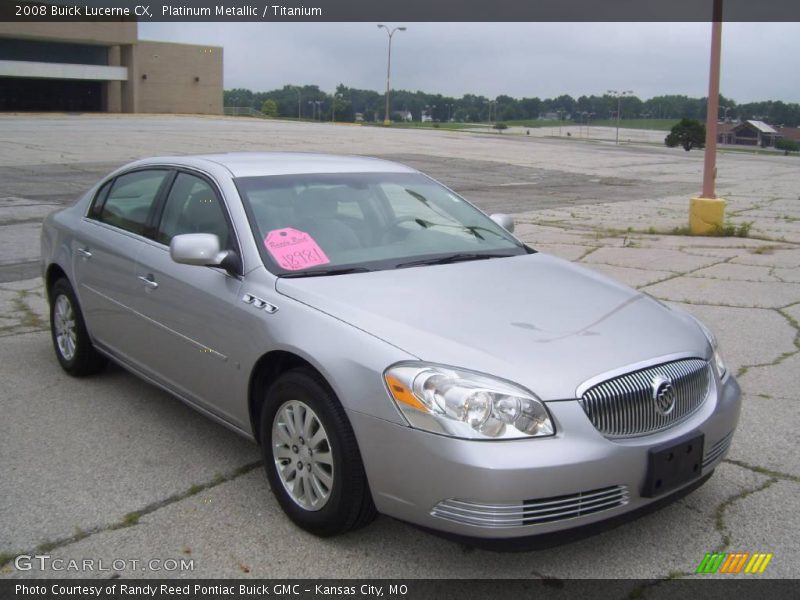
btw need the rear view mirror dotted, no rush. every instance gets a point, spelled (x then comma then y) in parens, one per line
(505, 221)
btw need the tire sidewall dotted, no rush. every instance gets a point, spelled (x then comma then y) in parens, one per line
(300, 386)
(86, 360)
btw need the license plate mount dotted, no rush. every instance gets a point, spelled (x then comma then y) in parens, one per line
(672, 465)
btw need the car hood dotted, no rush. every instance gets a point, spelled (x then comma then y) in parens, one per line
(536, 320)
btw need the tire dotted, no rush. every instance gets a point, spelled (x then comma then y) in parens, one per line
(315, 471)
(74, 349)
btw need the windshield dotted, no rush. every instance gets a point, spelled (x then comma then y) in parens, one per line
(349, 222)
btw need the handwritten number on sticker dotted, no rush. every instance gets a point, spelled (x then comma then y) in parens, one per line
(293, 249)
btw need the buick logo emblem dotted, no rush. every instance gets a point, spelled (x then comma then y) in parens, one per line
(663, 394)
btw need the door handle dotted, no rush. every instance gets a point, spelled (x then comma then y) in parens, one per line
(84, 252)
(148, 281)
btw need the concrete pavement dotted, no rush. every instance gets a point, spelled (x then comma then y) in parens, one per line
(110, 467)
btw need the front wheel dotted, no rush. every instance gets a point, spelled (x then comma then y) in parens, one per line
(311, 457)
(74, 349)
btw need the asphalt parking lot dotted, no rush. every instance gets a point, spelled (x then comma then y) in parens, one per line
(110, 467)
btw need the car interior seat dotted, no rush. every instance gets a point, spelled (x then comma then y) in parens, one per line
(315, 212)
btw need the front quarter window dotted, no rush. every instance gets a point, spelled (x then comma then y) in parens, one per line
(193, 207)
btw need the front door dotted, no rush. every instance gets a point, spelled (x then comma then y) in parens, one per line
(194, 313)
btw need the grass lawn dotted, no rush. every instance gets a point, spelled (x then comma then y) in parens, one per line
(655, 124)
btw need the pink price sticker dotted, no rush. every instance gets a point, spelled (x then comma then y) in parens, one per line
(294, 249)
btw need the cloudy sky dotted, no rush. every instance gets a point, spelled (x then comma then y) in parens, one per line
(760, 61)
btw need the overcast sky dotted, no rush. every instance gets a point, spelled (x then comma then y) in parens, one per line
(760, 61)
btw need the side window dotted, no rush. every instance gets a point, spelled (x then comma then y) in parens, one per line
(193, 207)
(129, 200)
(99, 198)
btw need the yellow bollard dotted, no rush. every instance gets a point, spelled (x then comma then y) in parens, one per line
(706, 215)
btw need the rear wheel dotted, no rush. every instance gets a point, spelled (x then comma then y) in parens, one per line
(74, 349)
(311, 457)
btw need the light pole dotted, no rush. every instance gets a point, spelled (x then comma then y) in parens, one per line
(391, 32)
(560, 112)
(313, 111)
(619, 96)
(491, 103)
(299, 107)
(333, 105)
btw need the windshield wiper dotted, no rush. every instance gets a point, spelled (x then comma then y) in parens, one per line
(322, 272)
(450, 258)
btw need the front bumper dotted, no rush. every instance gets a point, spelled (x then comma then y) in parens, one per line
(521, 488)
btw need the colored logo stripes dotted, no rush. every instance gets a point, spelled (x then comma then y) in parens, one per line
(734, 562)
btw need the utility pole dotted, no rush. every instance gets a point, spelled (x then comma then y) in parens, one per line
(707, 212)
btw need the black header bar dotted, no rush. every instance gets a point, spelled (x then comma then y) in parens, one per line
(406, 11)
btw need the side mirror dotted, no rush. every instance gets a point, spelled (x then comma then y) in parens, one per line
(505, 221)
(202, 249)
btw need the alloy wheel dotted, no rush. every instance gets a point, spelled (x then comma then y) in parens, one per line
(302, 454)
(65, 327)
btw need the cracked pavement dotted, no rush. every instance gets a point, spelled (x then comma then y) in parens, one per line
(111, 467)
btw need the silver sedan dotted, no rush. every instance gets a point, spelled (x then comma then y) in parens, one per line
(390, 347)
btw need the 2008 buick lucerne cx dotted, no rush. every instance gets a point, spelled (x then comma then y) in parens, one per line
(390, 347)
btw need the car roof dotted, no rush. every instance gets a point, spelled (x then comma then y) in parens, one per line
(252, 164)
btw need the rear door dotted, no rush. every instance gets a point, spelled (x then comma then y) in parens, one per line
(104, 251)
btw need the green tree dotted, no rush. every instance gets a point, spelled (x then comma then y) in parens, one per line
(787, 146)
(689, 133)
(530, 107)
(238, 97)
(270, 108)
(499, 127)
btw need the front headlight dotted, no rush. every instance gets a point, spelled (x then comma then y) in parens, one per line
(464, 404)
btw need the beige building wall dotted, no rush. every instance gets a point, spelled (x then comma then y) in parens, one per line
(162, 77)
(176, 78)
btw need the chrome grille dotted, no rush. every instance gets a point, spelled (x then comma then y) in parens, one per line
(531, 512)
(624, 407)
(717, 450)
